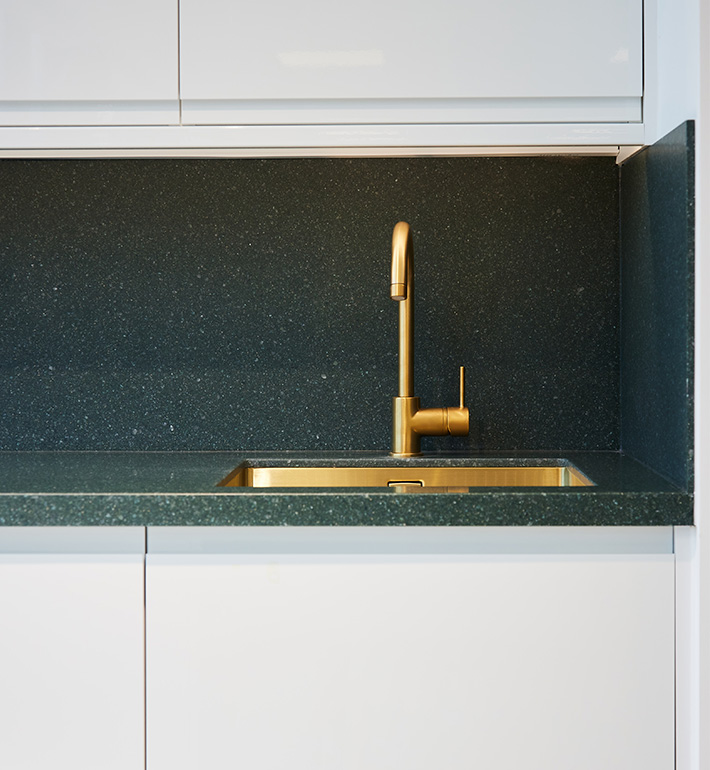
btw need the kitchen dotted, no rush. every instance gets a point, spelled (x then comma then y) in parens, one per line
(125, 334)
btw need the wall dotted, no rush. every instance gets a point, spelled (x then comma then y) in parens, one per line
(243, 304)
(657, 217)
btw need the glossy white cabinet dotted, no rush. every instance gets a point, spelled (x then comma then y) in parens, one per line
(397, 61)
(504, 649)
(96, 75)
(71, 648)
(88, 62)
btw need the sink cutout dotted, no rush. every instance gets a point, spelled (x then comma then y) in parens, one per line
(413, 478)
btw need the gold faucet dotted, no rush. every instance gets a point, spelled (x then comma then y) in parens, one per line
(409, 422)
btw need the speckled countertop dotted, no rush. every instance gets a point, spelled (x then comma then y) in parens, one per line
(179, 488)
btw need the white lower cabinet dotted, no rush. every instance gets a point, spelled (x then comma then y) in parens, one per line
(505, 649)
(71, 648)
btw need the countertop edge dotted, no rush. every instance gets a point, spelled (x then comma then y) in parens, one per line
(362, 509)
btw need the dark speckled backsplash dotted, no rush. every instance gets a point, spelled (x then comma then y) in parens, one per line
(243, 304)
(657, 255)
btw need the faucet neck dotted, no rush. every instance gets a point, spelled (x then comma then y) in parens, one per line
(406, 345)
(402, 290)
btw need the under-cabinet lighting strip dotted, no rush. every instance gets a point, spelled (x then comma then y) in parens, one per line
(620, 152)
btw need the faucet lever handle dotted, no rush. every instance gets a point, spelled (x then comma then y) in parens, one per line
(461, 386)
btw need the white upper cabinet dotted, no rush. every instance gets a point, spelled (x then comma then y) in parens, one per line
(398, 61)
(88, 62)
(174, 74)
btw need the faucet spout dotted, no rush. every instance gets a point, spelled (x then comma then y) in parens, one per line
(409, 422)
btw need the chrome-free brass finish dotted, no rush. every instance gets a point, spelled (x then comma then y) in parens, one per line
(402, 291)
(411, 478)
(409, 422)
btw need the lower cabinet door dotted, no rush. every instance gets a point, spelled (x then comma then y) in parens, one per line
(71, 649)
(379, 661)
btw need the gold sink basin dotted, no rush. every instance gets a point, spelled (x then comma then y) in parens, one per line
(410, 478)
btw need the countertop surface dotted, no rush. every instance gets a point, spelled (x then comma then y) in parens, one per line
(180, 488)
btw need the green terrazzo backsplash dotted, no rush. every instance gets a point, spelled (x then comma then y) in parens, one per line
(657, 214)
(243, 304)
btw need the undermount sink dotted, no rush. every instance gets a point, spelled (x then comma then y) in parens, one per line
(409, 478)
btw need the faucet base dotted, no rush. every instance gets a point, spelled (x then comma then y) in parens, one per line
(405, 442)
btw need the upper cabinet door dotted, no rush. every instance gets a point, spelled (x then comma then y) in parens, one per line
(392, 61)
(88, 62)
